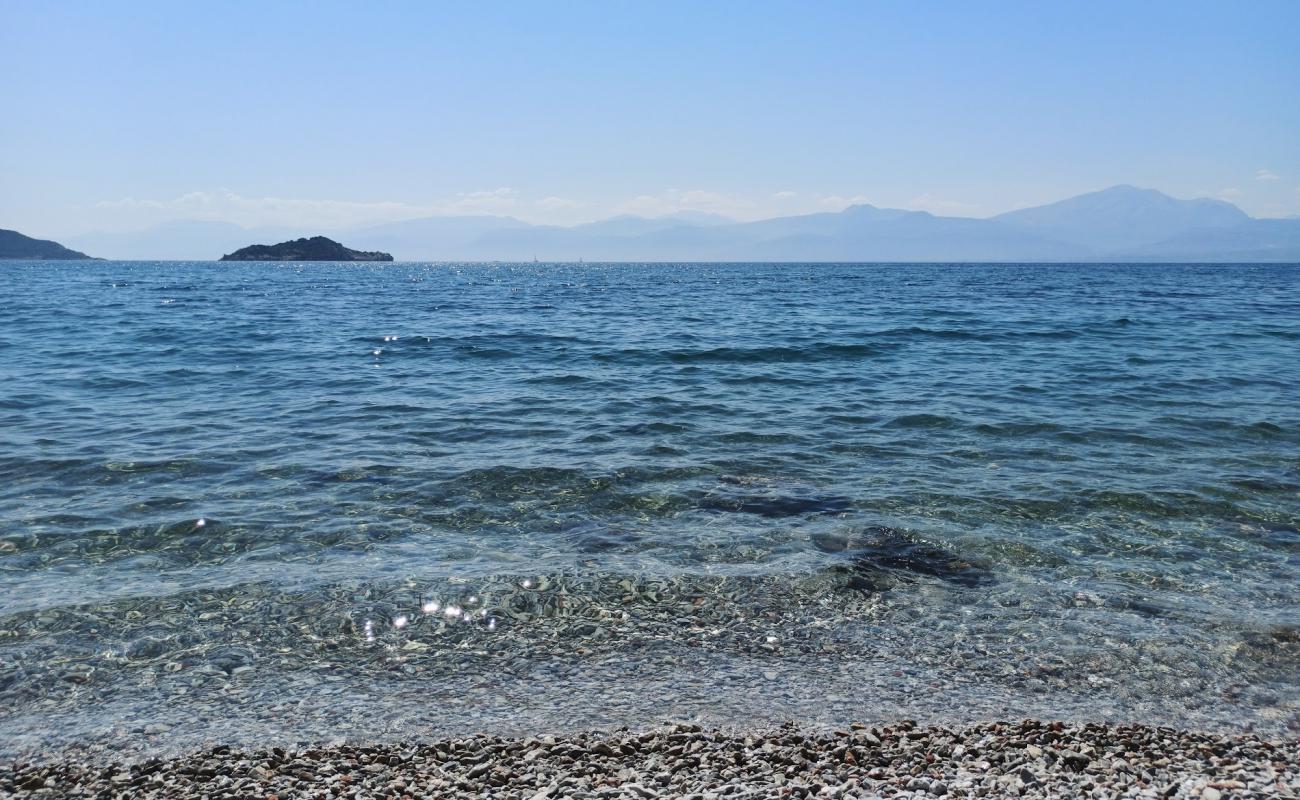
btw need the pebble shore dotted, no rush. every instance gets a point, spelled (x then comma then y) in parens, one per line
(1024, 759)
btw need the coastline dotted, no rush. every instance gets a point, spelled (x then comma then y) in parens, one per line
(495, 530)
(998, 759)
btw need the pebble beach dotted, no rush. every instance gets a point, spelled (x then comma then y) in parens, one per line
(1024, 760)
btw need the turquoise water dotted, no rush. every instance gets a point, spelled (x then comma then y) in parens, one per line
(220, 478)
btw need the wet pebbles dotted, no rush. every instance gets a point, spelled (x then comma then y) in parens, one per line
(379, 661)
(1028, 759)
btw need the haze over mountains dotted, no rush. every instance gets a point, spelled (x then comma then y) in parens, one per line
(1122, 223)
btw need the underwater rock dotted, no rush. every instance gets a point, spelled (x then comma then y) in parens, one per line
(604, 540)
(878, 550)
(1276, 638)
(1137, 605)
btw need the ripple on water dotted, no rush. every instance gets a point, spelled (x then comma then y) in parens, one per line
(659, 449)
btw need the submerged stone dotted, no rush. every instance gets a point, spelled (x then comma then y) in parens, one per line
(878, 550)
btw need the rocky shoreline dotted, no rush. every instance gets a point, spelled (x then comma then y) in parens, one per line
(1024, 759)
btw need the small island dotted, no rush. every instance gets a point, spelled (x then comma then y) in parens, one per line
(317, 248)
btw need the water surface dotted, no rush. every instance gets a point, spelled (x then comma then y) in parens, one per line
(237, 500)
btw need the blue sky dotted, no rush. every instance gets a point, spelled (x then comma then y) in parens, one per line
(119, 115)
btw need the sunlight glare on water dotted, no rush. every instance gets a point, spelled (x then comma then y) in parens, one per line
(1041, 486)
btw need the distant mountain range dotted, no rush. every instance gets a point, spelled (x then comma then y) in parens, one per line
(1123, 223)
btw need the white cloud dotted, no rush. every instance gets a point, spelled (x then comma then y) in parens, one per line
(1229, 194)
(646, 205)
(670, 201)
(839, 202)
(306, 214)
(554, 203)
(494, 201)
(224, 205)
(1265, 175)
(700, 200)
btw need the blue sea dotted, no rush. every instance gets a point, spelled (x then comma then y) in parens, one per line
(247, 502)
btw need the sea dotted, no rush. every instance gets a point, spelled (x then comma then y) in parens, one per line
(291, 503)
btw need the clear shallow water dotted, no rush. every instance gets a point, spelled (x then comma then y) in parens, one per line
(646, 487)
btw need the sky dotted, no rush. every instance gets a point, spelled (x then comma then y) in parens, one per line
(120, 115)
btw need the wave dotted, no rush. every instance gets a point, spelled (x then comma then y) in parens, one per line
(823, 351)
(923, 421)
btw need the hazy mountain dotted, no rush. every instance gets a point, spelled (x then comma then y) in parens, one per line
(1141, 224)
(1253, 240)
(699, 217)
(1116, 224)
(1122, 217)
(179, 240)
(868, 233)
(858, 233)
(431, 238)
(489, 238)
(632, 225)
(14, 245)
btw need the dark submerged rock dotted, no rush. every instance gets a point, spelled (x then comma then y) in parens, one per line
(317, 248)
(878, 551)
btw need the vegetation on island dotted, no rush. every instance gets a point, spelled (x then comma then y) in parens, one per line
(317, 248)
